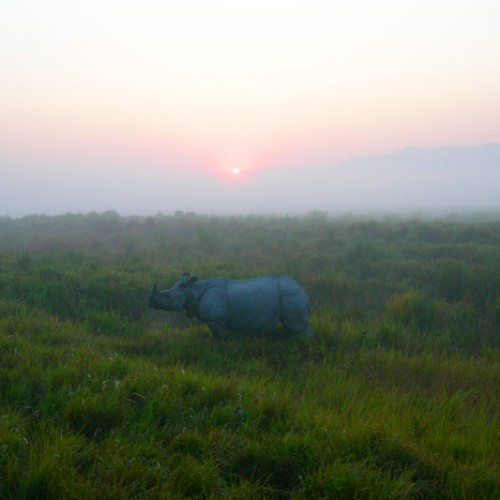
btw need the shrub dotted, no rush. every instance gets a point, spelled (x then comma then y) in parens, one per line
(411, 309)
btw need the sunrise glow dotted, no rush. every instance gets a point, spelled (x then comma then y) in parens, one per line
(196, 87)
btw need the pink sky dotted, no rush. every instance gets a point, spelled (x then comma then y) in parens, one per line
(209, 86)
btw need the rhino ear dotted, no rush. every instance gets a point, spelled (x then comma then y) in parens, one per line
(187, 280)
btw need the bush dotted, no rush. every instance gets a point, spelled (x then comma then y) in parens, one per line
(412, 309)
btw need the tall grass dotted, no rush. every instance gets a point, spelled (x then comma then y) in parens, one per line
(396, 397)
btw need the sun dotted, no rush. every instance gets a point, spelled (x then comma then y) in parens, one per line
(235, 173)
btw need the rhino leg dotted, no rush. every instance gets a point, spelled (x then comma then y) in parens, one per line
(295, 314)
(217, 328)
(299, 329)
(309, 331)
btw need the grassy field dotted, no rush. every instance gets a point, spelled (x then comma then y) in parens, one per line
(397, 396)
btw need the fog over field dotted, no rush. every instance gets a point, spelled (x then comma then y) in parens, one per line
(448, 178)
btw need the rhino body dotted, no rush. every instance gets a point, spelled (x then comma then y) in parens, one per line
(245, 306)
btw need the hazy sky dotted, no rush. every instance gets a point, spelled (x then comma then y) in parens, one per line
(126, 92)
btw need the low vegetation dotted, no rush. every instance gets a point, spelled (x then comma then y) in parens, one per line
(396, 396)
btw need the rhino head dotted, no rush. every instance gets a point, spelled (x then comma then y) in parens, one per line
(173, 299)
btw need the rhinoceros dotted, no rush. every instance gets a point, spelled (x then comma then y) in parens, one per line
(244, 306)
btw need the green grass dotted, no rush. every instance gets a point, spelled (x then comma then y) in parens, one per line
(395, 397)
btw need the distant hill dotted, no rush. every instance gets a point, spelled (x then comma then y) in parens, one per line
(408, 179)
(449, 178)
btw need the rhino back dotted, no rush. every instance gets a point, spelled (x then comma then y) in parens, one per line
(251, 305)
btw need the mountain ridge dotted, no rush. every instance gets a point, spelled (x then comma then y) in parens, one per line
(409, 178)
